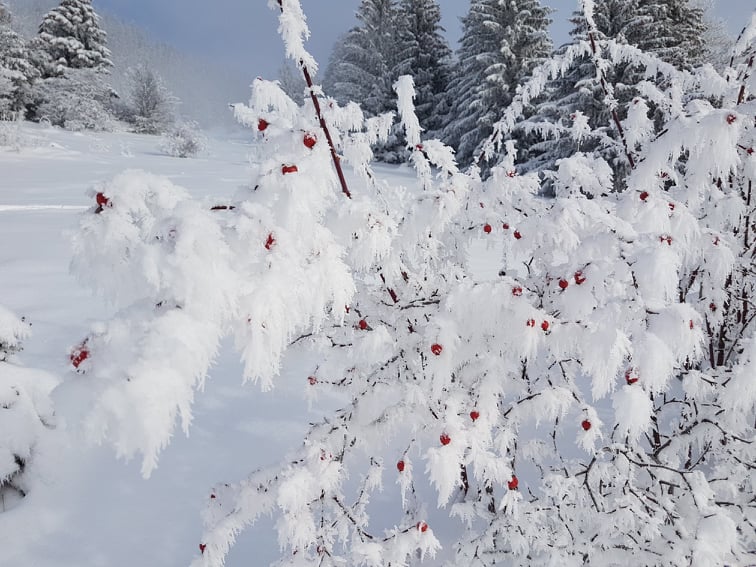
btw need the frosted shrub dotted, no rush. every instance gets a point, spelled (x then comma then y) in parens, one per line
(593, 404)
(183, 141)
(25, 413)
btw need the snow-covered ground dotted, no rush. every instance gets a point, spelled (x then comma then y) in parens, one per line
(91, 509)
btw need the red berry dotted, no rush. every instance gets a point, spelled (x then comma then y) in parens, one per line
(474, 415)
(713, 306)
(731, 118)
(517, 291)
(545, 325)
(102, 200)
(312, 380)
(563, 284)
(487, 228)
(270, 241)
(586, 425)
(309, 141)
(262, 124)
(363, 325)
(667, 239)
(289, 169)
(422, 526)
(629, 378)
(505, 226)
(579, 278)
(671, 206)
(445, 439)
(212, 497)
(644, 195)
(202, 547)
(419, 147)
(436, 349)
(517, 234)
(691, 325)
(530, 323)
(79, 355)
(513, 483)
(400, 466)
(511, 173)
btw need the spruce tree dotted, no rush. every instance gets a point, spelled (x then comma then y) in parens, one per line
(361, 66)
(72, 37)
(15, 66)
(501, 44)
(424, 54)
(672, 30)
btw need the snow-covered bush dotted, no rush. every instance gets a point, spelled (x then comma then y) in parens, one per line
(25, 412)
(593, 404)
(151, 105)
(77, 100)
(183, 140)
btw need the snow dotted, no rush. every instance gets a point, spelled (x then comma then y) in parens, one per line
(95, 509)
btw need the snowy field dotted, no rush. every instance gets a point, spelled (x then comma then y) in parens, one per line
(92, 509)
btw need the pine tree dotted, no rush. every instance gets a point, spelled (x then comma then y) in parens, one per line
(501, 43)
(424, 54)
(72, 37)
(669, 29)
(362, 63)
(15, 65)
(673, 30)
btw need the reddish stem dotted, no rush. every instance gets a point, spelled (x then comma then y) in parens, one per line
(316, 103)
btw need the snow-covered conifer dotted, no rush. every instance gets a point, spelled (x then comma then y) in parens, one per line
(363, 60)
(424, 54)
(670, 29)
(15, 66)
(501, 43)
(73, 38)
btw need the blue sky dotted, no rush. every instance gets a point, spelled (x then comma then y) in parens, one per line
(242, 33)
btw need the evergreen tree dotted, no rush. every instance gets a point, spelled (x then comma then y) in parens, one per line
(672, 30)
(72, 37)
(15, 66)
(501, 43)
(362, 63)
(424, 54)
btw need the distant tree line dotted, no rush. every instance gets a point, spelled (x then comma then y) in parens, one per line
(63, 75)
(461, 96)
